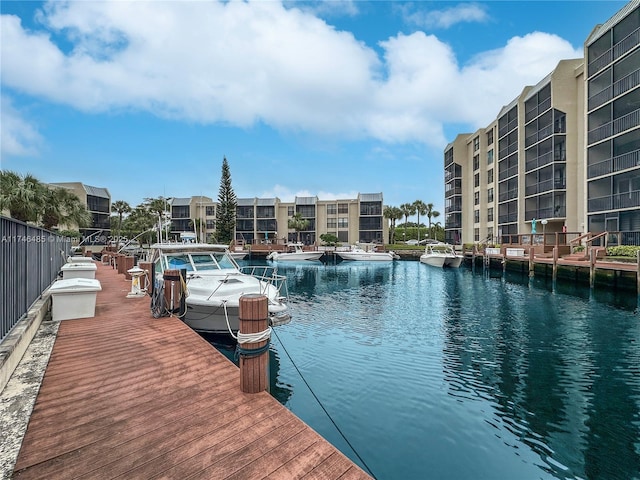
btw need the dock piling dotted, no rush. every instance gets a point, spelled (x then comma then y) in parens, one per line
(254, 352)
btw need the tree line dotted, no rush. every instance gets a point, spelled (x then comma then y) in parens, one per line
(407, 210)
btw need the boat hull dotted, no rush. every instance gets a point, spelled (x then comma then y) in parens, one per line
(213, 318)
(366, 257)
(453, 261)
(433, 260)
(295, 257)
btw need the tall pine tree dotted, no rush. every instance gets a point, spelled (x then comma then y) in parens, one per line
(226, 212)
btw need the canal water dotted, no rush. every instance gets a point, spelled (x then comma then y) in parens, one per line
(422, 373)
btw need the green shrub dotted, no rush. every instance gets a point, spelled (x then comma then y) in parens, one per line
(623, 251)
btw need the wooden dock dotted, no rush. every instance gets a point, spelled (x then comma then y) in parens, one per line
(128, 396)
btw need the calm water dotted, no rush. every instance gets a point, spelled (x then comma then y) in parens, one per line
(445, 374)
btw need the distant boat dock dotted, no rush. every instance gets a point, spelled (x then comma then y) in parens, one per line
(127, 395)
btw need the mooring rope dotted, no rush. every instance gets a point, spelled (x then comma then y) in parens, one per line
(324, 409)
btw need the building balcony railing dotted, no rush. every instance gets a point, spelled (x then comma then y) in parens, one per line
(453, 209)
(453, 191)
(508, 150)
(618, 88)
(509, 172)
(537, 109)
(619, 49)
(615, 164)
(545, 213)
(507, 128)
(508, 195)
(510, 218)
(619, 125)
(614, 202)
(541, 134)
(542, 160)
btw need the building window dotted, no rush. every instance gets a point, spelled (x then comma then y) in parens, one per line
(490, 195)
(266, 212)
(490, 137)
(343, 222)
(476, 216)
(490, 157)
(476, 234)
(290, 211)
(332, 209)
(476, 162)
(490, 214)
(476, 198)
(210, 211)
(211, 224)
(476, 144)
(244, 212)
(490, 233)
(343, 208)
(332, 223)
(490, 176)
(180, 212)
(476, 180)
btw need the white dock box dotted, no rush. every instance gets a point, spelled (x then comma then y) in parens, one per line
(79, 259)
(515, 252)
(74, 298)
(79, 270)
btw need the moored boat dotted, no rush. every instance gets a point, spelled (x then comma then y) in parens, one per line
(441, 255)
(296, 253)
(366, 254)
(214, 284)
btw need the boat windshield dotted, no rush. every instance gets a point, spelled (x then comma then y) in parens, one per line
(199, 261)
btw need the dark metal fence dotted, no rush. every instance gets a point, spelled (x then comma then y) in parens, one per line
(30, 259)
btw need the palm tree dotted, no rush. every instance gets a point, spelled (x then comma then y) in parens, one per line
(120, 207)
(63, 207)
(23, 196)
(407, 210)
(421, 209)
(431, 213)
(298, 223)
(393, 214)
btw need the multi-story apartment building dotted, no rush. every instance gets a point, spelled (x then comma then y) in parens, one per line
(534, 166)
(612, 54)
(350, 220)
(97, 201)
(193, 214)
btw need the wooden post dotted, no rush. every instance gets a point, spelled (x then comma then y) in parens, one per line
(592, 266)
(531, 267)
(555, 263)
(172, 290)
(254, 368)
(146, 281)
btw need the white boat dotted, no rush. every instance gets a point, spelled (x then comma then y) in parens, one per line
(441, 255)
(366, 254)
(239, 255)
(296, 253)
(214, 284)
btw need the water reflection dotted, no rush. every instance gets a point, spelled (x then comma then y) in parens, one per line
(463, 375)
(562, 378)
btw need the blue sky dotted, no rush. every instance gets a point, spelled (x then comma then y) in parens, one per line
(303, 98)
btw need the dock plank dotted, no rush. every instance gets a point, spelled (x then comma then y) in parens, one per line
(128, 396)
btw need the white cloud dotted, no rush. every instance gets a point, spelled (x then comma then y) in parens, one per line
(242, 63)
(446, 18)
(18, 136)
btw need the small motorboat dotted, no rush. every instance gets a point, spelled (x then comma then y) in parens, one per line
(295, 253)
(441, 255)
(213, 285)
(366, 253)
